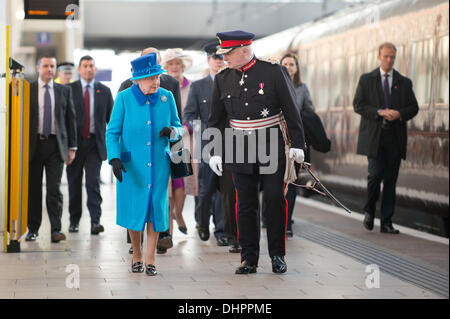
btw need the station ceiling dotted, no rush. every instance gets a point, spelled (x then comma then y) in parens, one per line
(134, 24)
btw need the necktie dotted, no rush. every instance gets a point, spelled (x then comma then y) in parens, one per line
(387, 93)
(47, 125)
(87, 113)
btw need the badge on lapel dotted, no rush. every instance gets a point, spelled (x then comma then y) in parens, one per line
(98, 91)
(163, 98)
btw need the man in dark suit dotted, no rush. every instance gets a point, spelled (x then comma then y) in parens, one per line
(386, 101)
(171, 84)
(197, 107)
(53, 140)
(93, 106)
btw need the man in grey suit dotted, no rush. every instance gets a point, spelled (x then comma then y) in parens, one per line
(53, 141)
(213, 190)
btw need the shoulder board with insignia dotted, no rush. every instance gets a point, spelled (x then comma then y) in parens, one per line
(271, 60)
(223, 68)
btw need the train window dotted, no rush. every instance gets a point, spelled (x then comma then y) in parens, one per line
(401, 62)
(443, 73)
(421, 63)
(321, 86)
(337, 89)
(372, 60)
(354, 71)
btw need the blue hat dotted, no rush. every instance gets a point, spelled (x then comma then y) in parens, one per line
(211, 47)
(146, 66)
(233, 39)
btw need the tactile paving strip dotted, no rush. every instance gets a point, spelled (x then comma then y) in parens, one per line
(389, 263)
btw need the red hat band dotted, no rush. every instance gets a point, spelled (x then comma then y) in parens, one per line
(234, 43)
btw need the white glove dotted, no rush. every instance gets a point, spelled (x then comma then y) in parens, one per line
(297, 154)
(215, 163)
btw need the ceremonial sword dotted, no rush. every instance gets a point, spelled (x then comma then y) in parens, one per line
(326, 192)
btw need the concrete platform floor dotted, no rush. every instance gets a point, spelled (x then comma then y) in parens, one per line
(191, 269)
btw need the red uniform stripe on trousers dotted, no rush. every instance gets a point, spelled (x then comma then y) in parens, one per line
(235, 211)
(286, 220)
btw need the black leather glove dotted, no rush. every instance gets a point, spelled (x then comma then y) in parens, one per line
(117, 168)
(166, 131)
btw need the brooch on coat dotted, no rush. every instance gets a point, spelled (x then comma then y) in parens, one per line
(163, 98)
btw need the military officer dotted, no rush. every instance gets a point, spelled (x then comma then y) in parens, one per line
(253, 99)
(197, 107)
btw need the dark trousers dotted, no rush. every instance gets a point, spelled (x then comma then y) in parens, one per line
(384, 167)
(209, 197)
(46, 155)
(248, 220)
(228, 195)
(86, 158)
(291, 195)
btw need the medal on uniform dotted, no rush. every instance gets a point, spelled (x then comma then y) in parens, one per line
(264, 112)
(241, 82)
(261, 86)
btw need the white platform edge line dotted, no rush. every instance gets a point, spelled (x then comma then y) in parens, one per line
(360, 217)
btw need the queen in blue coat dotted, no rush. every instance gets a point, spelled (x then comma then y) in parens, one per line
(143, 122)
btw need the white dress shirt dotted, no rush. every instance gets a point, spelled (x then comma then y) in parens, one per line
(91, 101)
(41, 105)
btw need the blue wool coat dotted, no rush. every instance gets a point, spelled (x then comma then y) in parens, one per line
(133, 136)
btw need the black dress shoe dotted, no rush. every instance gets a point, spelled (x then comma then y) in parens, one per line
(165, 242)
(160, 250)
(57, 237)
(222, 241)
(130, 251)
(278, 264)
(203, 233)
(389, 229)
(96, 229)
(289, 233)
(150, 270)
(137, 266)
(73, 228)
(368, 221)
(31, 236)
(234, 248)
(245, 268)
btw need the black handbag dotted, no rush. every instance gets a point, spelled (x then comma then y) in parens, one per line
(180, 163)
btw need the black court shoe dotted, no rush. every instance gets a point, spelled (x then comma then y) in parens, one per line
(31, 236)
(278, 264)
(389, 229)
(234, 248)
(137, 266)
(368, 221)
(73, 228)
(151, 270)
(245, 268)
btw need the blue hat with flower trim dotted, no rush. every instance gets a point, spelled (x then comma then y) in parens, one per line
(146, 66)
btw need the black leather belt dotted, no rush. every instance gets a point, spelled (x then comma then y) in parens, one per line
(43, 137)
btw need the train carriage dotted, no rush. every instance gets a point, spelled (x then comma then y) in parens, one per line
(334, 52)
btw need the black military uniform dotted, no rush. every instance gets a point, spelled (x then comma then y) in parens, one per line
(243, 99)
